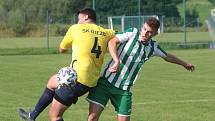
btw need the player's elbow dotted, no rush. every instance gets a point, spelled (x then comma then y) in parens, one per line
(168, 58)
(61, 50)
(113, 42)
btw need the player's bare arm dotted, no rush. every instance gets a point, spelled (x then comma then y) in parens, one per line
(112, 45)
(61, 50)
(173, 59)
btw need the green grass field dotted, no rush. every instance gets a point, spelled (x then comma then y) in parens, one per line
(163, 91)
(41, 42)
(29, 42)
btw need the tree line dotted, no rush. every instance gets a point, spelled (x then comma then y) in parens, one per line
(22, 16)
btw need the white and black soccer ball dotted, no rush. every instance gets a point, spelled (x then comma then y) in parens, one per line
(67, 76)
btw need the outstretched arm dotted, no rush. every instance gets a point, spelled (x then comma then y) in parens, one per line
(112, 45)
(173, 59)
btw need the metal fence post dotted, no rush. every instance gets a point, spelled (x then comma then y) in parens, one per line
(47, 29)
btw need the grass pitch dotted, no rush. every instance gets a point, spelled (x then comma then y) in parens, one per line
(42, 42)
(163, 91)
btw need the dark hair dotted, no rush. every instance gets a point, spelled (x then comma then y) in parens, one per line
(90, 12)
(153, 23)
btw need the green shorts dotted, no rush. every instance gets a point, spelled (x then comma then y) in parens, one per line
(105, 91)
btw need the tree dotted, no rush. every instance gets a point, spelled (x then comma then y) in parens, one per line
(212, 2)
(107, 8)
(34, 11)
(161, 7)
(17, 23)
(192, 17)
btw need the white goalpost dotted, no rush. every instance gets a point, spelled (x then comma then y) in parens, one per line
(121, 23)
(211, 28)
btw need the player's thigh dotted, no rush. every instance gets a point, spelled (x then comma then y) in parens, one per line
(95, 111)
(95, 108)
(57, 109)
(122, 102)
(69, 95)
(97, 98)
(99, 95)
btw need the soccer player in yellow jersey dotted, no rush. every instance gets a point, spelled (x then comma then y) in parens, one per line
(89, 43)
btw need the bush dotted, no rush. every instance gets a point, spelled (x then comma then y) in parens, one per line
(61, 29)
(16, 22)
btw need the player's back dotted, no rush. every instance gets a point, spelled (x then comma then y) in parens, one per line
(89, 44)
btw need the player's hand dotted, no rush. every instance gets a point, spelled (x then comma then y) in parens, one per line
(189, 67)
(114, 67)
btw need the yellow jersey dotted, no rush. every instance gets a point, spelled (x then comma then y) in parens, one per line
(89, 44)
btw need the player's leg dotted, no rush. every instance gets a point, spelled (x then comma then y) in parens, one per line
(95, 111)
(98, 98)
(122, 102)
(46, 97)
(123, 118)
(43, 102)
(63, 98)
(56, 111)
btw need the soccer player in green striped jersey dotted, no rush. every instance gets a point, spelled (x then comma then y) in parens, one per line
(135, 48)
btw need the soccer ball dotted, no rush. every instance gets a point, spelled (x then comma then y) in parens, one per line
(67, 76)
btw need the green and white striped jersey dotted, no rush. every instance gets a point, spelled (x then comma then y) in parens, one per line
(133, 54)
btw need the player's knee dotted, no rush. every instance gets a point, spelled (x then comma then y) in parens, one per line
(123, 118)
(93, 117)
(52, 83)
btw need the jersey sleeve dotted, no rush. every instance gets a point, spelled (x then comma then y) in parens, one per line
(128, 34)
(67, 40)
(158, 51)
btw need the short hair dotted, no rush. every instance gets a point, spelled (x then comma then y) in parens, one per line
(90, 12)
(153, 23)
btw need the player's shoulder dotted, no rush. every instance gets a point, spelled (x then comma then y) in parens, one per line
(78, 26)
(153, 43)
(105, 29)
(110, 30)
(74, 26)
(132, 29)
